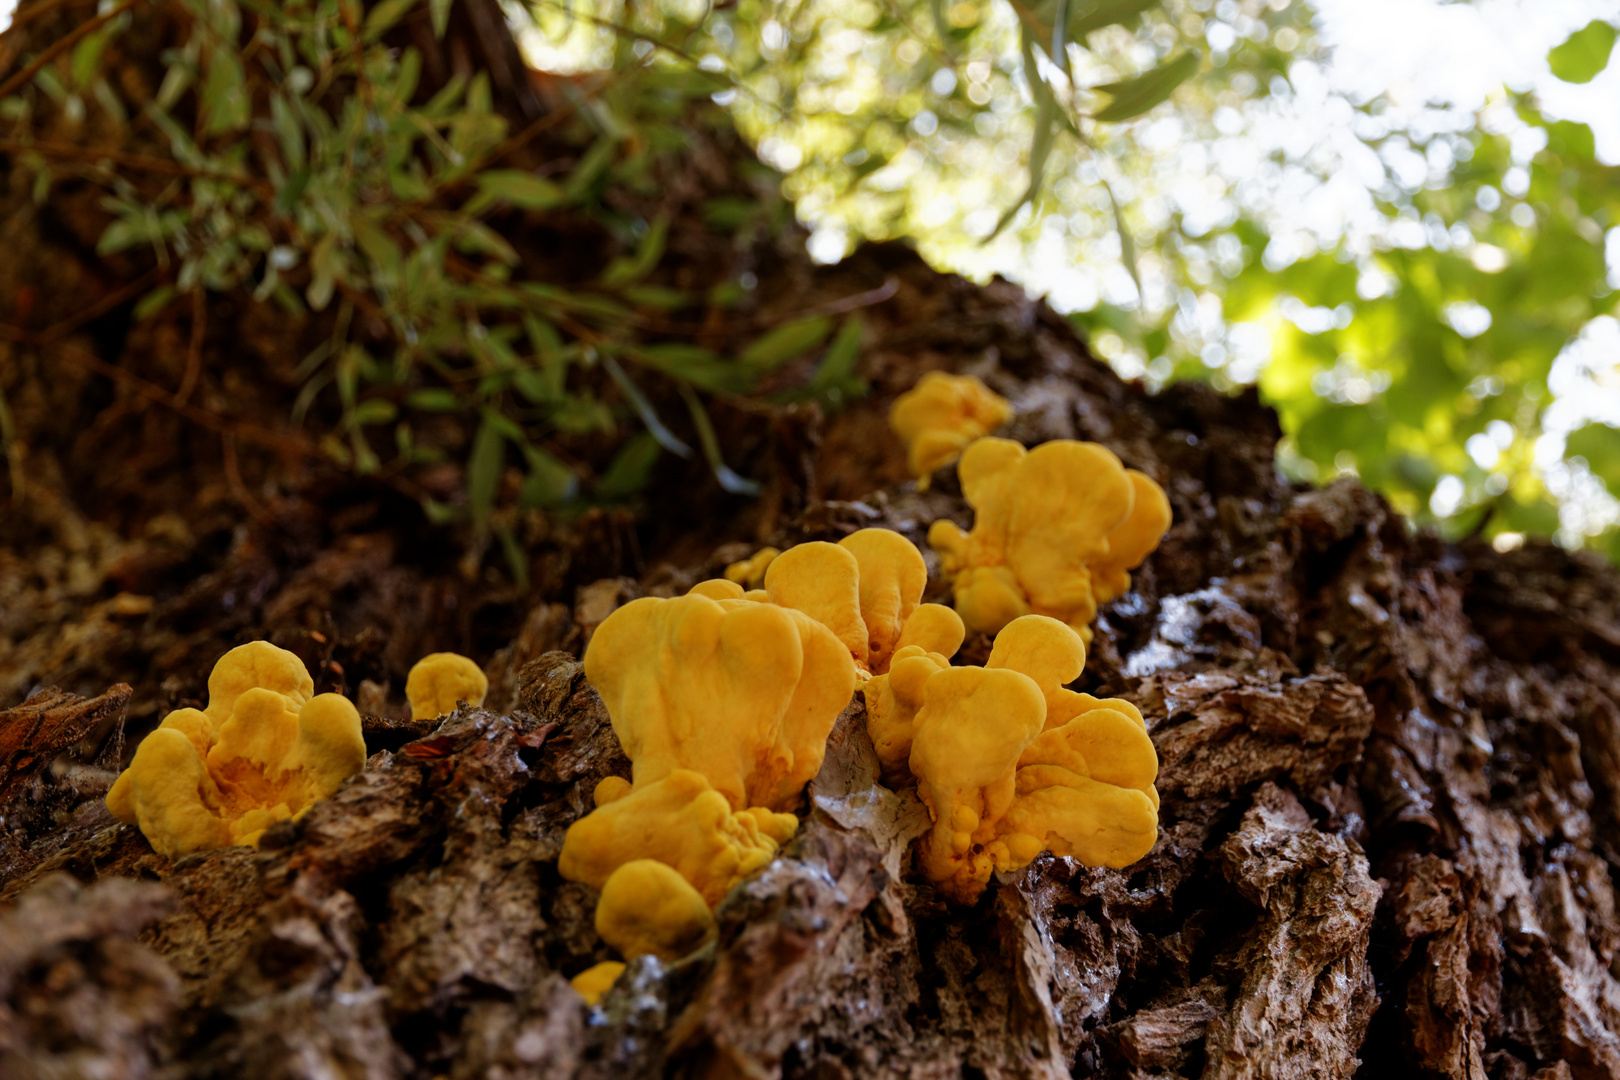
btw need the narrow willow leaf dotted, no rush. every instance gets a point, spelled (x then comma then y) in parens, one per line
(440, 10)
(695, 365)
(522, 189)
(1046, 117)
(835, 382)
(434, 400)
(549, 483)
(484, 467)
(626, 270)
(630, 468)
(644, 409)
(381, 18)
(1086, 18)
(1133, 97)
(731, 481)
(776, 347)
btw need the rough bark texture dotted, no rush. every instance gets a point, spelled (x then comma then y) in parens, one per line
(1391, 766)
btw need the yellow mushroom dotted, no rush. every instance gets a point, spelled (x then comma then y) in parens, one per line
(1056, 530)
(594, 982)
(867, 589)
(940, 416)
(681, 821)
(256, 755)
(439, 681)
(972, 727)
(824, 581)
(647, 908)
(750, 572)
(743, 693)
(1019, 765)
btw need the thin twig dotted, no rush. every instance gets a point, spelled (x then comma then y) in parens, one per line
(233, 480)
(61, 45)
(199, 327)
(56, 331)
(142, 162)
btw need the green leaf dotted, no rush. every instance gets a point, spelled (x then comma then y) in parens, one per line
(776, 347)
(434, 400)
(375, 411)
(549, 482)
(626, 270)
(120, 235)
(649, 417)
(484, 467)
(630, 468)
(1133, 97)
(1584, 54)
(1599, 444)
(224, 92)
(440, 10)
(153, 302)
(696, 365)
(1089, 17)
(731, 481)
(384, 15)
(835, 382)
(522, 189)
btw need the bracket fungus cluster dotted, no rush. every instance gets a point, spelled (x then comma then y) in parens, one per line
(264, 750)
(1056, 532)
(939, 417)
(1010, 763)
(723, 700)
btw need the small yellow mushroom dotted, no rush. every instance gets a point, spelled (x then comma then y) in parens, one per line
(750, 572)
(681, 821)
(1056, 531)
(743, 693)
(892, 702)
(717, 589)
(439, 681)
(594, 982)
(255, 756)
(647, 908)
(940, 416)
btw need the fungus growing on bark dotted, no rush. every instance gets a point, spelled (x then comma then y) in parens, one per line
(648, 908)
(1010, 763)
(263, 751)
(892, 702)
(1056, 531)
(681, 821)
(940, 416)
(439, 681)
(741, 692)
(592, 983)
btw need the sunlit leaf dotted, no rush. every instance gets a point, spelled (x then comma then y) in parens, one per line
(1584, 54)
(1133, 97)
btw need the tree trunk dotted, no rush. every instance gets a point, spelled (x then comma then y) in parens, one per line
(1390, 772)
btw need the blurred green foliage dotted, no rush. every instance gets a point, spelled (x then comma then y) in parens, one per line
(1001, 135)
